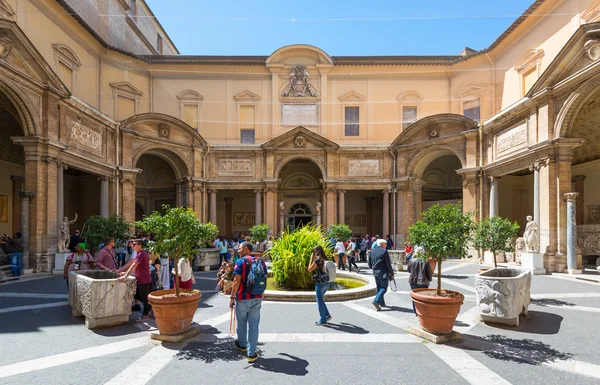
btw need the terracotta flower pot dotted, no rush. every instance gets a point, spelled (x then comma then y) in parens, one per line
(437, 314)
(479, 271)
(174, 314)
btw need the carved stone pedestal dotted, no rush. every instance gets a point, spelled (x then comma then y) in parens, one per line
(503, 295)
(59, 262)
(533, 262)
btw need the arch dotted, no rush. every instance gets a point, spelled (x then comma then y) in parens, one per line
(23, 108)
(190, 95)
(65, 54)
(318, 162)
(409, 96)
(421, 124)
(299, 49)
(154, 117)
(180, 166)
(572, 105)
(300, 208)
(419, 163)
(529, 58)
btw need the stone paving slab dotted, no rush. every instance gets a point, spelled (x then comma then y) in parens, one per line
(52, 284)
(9, 302)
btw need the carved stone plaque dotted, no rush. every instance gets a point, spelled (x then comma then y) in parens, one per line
(593, 214)
(299, 115)
(235, 167)
(363, 167)
(512, 139)
(87, 137)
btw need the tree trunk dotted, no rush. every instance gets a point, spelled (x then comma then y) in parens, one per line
(495, 263)
(176, 277)
(439, 277)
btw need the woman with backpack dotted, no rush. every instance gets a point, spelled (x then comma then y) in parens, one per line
(318, 259)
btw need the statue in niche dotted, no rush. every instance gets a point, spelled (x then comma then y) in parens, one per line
(319, 208)
(531, 235)
(299, 85)
(281, 208)
(65, 235)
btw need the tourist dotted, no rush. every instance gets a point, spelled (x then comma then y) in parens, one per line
(121, 253)
(141, 270)
(165, 276)
(351, 252)
(408, 251)
(341, 253)
(79, 260)
(73, 241)
(318, 259)
(155, 272)
(420, 275)
(186, 274)
(247, 306)
(379, 261)
(363, 249)
(226, 281)
(14, 249)
(107, 257)
(222, 246)
(390, 243)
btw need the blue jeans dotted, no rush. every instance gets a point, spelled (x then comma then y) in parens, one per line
(382, 286)
(320, 290)
(15, 263)
(417, 286)
(341, 261)
(248, 317)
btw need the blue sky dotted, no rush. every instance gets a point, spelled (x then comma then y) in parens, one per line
(400, 27)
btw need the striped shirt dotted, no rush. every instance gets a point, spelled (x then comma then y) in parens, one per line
(242, 267)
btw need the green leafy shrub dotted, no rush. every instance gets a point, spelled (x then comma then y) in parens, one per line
(495, 234)
(341, 231)
(259, 232)
(98, 228)
(291, 255)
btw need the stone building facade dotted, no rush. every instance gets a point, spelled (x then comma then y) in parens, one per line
(102, 116)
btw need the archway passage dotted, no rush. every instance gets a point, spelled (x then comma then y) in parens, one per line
(155, 185)
(442, 184)
(300, 192)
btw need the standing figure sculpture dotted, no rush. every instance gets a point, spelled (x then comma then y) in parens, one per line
(65, 236)
(531, 235)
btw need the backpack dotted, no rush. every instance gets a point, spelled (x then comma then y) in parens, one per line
(256, 279)
(330, 268)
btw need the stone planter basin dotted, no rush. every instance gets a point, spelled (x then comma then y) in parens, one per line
(503, 295)
(398, 259)
(207, 258)
(97, 295)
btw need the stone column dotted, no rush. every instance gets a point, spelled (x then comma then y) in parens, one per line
(271, 209)
(578, 187)
(370, 201)
(60, 196)
(17, 185)
(494, 196)
(281, 217)
(535, 167)
(258, 207)
(417, 187)
(213, 206)
(25, 196)
(386, 213)
(341, 206)
(228, 216)
(103, 196)
(571, 233)
(331, 196)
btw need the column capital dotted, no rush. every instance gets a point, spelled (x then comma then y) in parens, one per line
(493, 179)
(538, 164)
(25, 194)
(228, 199)
(470, 181)
(258, 191)
(341, 191)
(386, 190)
(571, 196)
(103, 178)
(271, 189)
(17, 178)
(212, 191)
(49, 159)
(576, 178)
(330, 190)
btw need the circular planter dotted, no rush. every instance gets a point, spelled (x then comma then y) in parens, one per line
(174, 314)
(437, 314)
(479, 271)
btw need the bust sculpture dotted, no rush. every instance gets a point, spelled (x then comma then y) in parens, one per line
(65, 235)
(531, 235)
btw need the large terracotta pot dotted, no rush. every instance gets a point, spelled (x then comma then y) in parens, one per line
(174, 314)
(437, 314)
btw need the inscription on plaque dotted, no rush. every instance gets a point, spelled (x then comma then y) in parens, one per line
(86, 137)
(235, 167)
(299, 115)
(363, 167)
(512, 138)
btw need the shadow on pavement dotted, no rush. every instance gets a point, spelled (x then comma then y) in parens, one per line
(550, 302)
(295, 366)
(346, 328)
(536, 322)
(217, 350)
(397, 308)
(450, 276)
(523, 351)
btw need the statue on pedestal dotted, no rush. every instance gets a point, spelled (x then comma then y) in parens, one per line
(531, 236)
(65, 235)
(318, 208)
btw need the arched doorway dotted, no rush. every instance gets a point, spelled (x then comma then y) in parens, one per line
(299, 215)
(300, 192)
(155, 185)
(442, 184)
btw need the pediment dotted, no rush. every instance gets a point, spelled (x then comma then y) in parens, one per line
(352, 97)
(126, 89)
(246, 96)
(299, 54)
(434, 127)
(472, 90)
(163, 127)
(300, 138)
(6, 11)
(190, 95)
(67, 55)
(17, 51)
(409, 96)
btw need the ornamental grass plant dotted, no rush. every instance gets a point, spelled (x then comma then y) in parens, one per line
(291, 255)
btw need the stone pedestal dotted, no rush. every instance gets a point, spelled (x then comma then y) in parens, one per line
(397, 257)
(59, 262)
(503, 295)
(533, 262)
(572, 234)
(206, 259)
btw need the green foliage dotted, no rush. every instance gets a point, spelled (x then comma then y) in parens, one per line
(291, 255)
(98, 228)
(495, 234)
(340, 231)
(259, 232)
(443, 231)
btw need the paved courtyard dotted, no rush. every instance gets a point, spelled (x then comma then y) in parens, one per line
(558, 343)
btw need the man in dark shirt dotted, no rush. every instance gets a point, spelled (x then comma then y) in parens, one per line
(74, 241)
(379, 261)
(15, 249)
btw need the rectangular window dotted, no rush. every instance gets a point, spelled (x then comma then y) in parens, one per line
(351, 121)
(409, 116)
(159, 44)
(472, 110)
(246, 124)
(125, 108)
(66, 75)
(528, 78)
(190, 115)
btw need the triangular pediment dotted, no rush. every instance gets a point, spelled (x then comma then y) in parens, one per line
(246, 96)
(126, 89)
(352, 97)
(17, 51)
(300, 138)
(6, 10)
(472, 90)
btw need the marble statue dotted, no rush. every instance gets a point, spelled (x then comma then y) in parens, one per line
(281, 208)
(318, 208)
(531, 235)
(65, 235)
(519, 249)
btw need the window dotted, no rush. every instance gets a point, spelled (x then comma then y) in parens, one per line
(125, 107)
(65, 74)
(247, 121)
(528, 78)
(472, 109)
(528, 67)
(351, 121)
(127, 99)
(409, 116)
(190, 115)
(66, 64)
(190, 104)
(159, 44)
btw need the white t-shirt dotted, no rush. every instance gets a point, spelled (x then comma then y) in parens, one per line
(339, 247)
(352, 246)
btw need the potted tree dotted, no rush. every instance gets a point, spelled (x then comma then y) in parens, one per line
(259, 233)
(442, 231)
(178, 233)
(98, 228)
(502, 295)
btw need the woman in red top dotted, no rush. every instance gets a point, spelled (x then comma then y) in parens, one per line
(141, 268)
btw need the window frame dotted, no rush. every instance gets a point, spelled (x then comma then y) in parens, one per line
(190, 98)
(64, 55)
(357, 123)
(530, 61)
(247, 98)
(467, 100)
(409, 99)
(353, 99)
(239, 120)
(408, 124)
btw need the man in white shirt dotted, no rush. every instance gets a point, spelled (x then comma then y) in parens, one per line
(341, 253)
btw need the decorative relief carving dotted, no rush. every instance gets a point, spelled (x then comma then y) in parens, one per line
(363, 167)
(5, 46)
(359, 220)
(300, 183)
(592, 49)
(302, 114)
(593, 213)
(86, 137)
(235, 167)
(244, 219)
(299, 85)
(588, 239)
(164, 130)
(300, 141)
(511, 139)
